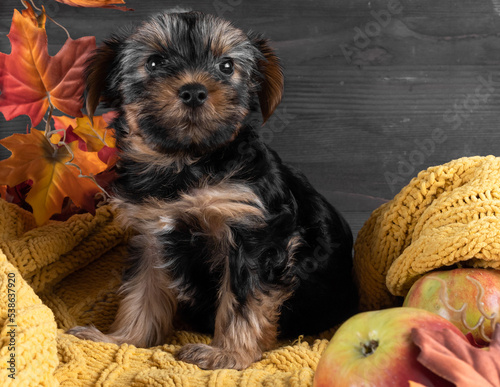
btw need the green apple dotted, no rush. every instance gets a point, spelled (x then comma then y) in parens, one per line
(469, 298)
(375, 349)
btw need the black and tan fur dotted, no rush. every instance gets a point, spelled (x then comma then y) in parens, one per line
(228, 238)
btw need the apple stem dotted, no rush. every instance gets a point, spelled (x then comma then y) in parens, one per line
(368, 348)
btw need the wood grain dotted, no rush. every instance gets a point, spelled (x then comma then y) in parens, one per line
(354, 123)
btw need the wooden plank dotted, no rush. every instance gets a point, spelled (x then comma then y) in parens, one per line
(372, 96)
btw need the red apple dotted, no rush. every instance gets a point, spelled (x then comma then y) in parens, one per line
(469, 298)
(375, 349)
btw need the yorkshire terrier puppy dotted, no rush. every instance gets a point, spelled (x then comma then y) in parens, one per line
(228, 238)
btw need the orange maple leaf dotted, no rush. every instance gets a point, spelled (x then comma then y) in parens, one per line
(97, 4)
(61, 123)
(52, 171)
(92, 137)
(96, 134)
(31, 79)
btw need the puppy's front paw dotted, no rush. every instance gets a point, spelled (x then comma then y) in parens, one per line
(90, 332)
(210, 358)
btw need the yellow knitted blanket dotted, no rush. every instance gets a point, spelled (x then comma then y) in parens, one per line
(447, 215)
(66, 273)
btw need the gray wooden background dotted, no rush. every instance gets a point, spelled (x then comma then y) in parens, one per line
(375, 90)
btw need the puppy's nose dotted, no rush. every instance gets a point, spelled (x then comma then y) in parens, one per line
(193, 94)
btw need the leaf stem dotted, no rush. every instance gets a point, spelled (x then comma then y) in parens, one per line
(47, 123)
(48, 17)
(32, 3)
(81, 175)
(96, 133)
(57, 131)
(59, 25)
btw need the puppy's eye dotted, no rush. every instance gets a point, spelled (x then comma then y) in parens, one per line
(154, 63)
(226, 67)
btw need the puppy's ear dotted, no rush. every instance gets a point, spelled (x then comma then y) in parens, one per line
(101, 75)
(271, 82)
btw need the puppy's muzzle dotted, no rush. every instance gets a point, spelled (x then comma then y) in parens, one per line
(193, 94)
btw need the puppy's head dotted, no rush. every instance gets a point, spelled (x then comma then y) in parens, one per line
(184, 81)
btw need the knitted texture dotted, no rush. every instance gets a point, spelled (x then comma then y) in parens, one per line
(447, 215)
(67, 273)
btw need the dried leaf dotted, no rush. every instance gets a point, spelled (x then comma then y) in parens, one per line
(96, 134)
(95, 137)
(96, 4)
(30, 77)
(49, 167)
(17, 194)
(456, 360)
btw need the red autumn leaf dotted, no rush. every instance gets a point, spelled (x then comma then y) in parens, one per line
(450, 356)
(64, 131)
(54, 178)
(96, 4)
(108, 155)
(17, 194)
(110, 116)
(30, 77)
